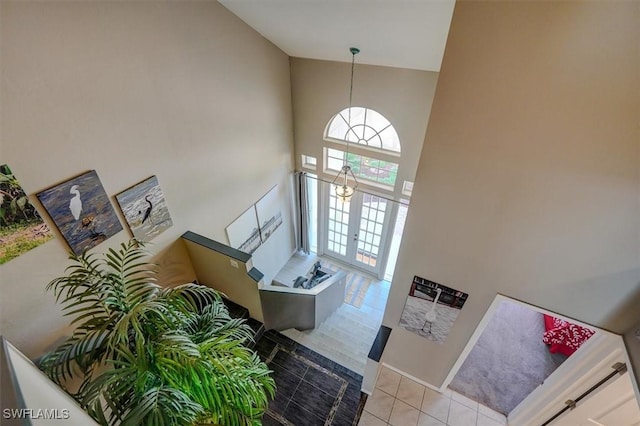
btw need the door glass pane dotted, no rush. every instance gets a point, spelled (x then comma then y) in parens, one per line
(338, 225)
(370, 230)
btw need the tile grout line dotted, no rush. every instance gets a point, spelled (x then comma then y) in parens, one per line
(449, 410)
(478, 413)
(450, 398)
(386, 421)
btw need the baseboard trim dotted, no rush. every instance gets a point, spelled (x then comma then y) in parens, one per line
(409, 376)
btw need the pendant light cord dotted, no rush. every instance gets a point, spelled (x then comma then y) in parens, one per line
(354, 51)
(344, 191)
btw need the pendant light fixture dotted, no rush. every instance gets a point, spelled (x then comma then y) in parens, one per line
(341, 181)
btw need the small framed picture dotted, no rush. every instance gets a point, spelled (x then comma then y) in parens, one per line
(145, 209)
(21, 227)
(431, 309)
(81, 210)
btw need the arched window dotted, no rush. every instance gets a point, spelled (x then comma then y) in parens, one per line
(371, 131)
(368, 128)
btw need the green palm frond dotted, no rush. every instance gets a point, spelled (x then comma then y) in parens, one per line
(176, 348)
(192, 297)
(82, 278)
(82, 350)
(163, 406)
(148, 355)
(132, 280)
(214, 320)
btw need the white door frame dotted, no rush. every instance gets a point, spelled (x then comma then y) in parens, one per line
(324, 219)
(612, 403)
(578, 373)
(383, 246)
(591, 361)
(390, 219)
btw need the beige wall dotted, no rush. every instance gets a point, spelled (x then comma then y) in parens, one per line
(214, 269)
(183, 90)
(321, 90)
(632, 343)
(528, 181)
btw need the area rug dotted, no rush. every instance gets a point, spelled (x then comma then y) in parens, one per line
(315, 393)
(356, 284)
(311, 390)
(509, 360)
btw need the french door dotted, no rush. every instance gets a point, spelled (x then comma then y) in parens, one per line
(356, 230)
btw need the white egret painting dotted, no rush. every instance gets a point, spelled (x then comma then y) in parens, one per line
(145, 209)
(244, 233)
(431, 309)
(81, 210)
(269, 213)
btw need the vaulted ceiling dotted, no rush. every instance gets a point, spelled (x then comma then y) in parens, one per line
(396, 33)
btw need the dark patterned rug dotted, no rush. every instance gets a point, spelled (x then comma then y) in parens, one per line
(311, 389)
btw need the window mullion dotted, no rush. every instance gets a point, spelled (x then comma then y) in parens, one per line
(388, 144)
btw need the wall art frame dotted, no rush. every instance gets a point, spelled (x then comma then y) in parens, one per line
(21, 226)
(244, 233)
(269, 213)
(145, 209)
(431, 309)
(82, 211)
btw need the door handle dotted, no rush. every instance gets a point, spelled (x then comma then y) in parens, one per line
(355, 237)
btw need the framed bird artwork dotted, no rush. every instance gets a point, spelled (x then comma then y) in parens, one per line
(145, 209)
(431, 309)
(81, 210)
(21, 226)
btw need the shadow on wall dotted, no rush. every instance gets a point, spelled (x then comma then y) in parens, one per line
(227, 270)
(606, 301)
(174, 265)
(626, 313)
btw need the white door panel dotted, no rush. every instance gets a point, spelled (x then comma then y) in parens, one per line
(586, 367)
(337, 235)
(369, 238)
(356, 230)
(612, 404)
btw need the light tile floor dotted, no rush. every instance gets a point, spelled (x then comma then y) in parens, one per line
(347, 335)
(399, 401)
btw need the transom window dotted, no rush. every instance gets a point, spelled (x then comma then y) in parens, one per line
(368, 128)
(374, 170)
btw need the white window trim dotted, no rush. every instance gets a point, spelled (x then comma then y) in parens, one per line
(363, 150)
(363, 146)
(308, 165)
(361, 181)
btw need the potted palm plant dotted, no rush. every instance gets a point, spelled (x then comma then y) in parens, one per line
(147, 355)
